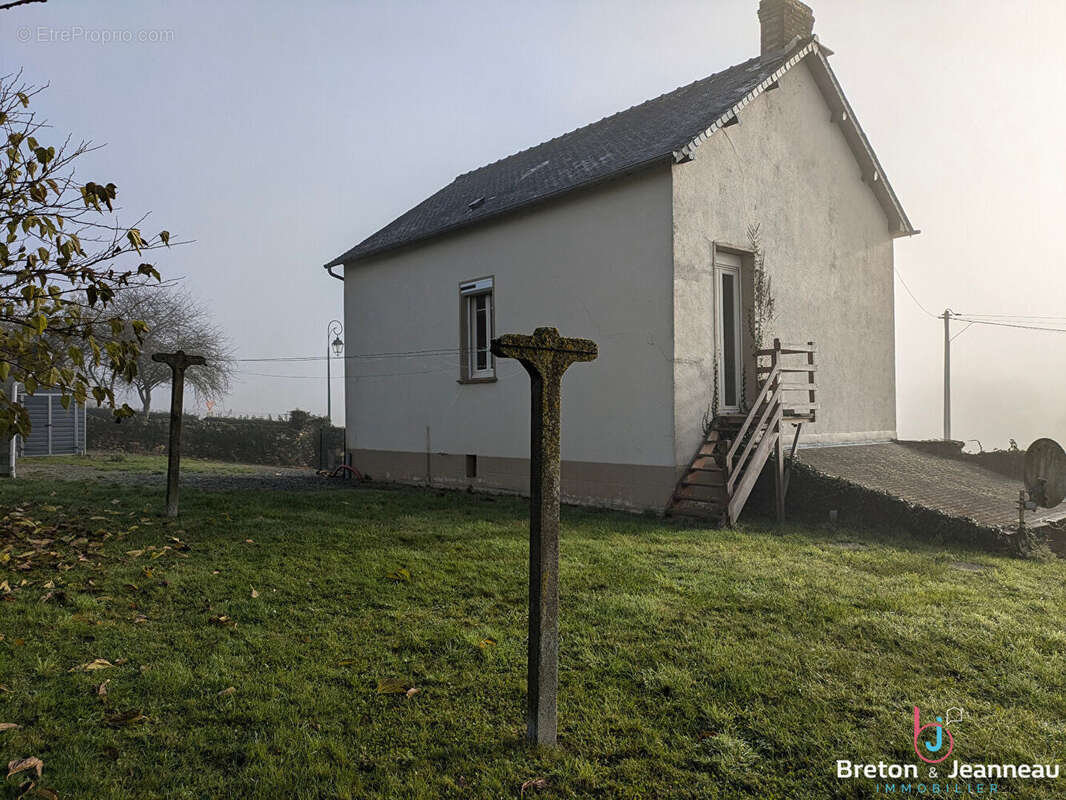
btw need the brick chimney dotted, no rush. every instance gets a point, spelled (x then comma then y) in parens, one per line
(782, 21)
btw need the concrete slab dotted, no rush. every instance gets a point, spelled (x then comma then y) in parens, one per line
(948, 485)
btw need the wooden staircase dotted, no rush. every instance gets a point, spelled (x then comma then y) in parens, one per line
(721, 475)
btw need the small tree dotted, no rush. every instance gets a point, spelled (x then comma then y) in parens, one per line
(64, 258)
(174, 320)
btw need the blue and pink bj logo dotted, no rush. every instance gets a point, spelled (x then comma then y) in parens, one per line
(923, 746)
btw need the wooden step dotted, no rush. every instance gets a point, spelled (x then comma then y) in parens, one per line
(704, 478)
(705, 464)
(701, 494)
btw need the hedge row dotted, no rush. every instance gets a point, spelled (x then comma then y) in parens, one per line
(293, 441)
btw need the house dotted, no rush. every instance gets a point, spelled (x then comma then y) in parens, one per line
(634, 232)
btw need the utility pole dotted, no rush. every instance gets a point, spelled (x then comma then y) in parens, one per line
(946, 316)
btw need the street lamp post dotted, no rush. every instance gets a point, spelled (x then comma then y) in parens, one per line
(337, 346)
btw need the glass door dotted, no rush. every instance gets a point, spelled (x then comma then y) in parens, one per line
(729, 333)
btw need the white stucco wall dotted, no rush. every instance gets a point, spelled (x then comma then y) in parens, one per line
(597, 264)
(828, 248)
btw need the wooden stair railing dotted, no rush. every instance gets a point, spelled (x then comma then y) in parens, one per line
(722, 474)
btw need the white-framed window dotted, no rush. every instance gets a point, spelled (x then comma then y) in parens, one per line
(477, 327)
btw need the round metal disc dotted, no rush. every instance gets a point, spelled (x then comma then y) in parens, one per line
(1045, 472)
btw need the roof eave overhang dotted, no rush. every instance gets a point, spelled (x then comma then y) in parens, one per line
(872, 172)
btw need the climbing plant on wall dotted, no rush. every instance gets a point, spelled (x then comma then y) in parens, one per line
(761, 313)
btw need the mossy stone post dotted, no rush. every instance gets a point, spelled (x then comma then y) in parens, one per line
(545, 356)
(178, 363)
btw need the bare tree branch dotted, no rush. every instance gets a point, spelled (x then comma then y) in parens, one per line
(175, 321)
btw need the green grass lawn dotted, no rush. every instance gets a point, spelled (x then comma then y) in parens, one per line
(250, 642)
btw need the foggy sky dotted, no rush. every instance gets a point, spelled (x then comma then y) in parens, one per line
(277, 135)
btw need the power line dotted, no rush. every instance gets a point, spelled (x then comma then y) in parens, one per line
(275, 375)
(367, 375)
(960, 333)
(915, 299)
(437, 352)
(1014, 316)
(1007, 324)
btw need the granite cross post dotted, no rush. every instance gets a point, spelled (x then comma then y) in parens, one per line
(545, 356)
(178, 363)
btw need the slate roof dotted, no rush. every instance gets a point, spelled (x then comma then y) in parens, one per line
(617, 144)
(655, 130)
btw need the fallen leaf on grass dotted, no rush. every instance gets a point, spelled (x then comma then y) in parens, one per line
(392, 686)
(228, 691)
(97, 663)
(222, 621)
(487, 642)
(255, 594)
(18, 765)
(44, 794)
(101, 690)
(413, 691)
(8, 726)
(125, 718)
(401, 574)
(535, 784)
(249, 541)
